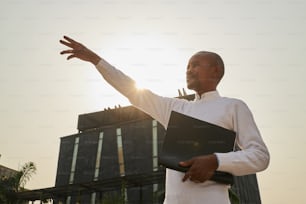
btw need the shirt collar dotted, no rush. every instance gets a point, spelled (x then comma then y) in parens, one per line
(207, 96)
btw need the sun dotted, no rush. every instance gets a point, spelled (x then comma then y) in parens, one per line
(139, 87)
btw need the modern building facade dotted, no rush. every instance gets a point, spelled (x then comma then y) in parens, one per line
(112, 144)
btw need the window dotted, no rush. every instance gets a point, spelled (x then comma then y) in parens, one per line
(120, 152)
(74, 158)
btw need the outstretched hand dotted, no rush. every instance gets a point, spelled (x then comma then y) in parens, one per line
(201, 168)
(79, 51)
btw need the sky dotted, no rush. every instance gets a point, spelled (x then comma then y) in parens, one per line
(262, 43)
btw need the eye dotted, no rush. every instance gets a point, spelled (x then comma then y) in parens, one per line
(193, 65)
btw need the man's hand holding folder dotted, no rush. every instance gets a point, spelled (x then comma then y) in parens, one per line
(189, 147)
(201, 168)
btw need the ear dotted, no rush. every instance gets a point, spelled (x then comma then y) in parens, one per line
(215, 72)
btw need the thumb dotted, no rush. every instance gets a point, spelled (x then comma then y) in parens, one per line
(186, 163)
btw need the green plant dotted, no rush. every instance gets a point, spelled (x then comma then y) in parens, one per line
(15, 183)
(233, 197)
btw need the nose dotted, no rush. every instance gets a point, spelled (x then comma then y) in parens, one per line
(188, 70)
(188, 73)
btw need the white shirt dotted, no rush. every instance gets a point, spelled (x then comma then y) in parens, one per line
(229, 113)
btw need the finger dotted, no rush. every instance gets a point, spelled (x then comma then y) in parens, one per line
(187, 163)
(66, 52)
(66, 43)
(71, 56)
(200, 179)
(196, 180)
(69, 39)
(73, 42)
(186, 176)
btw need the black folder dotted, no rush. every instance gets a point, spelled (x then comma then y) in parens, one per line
(187, 137)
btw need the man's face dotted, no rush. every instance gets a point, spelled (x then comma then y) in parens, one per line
(199, 74)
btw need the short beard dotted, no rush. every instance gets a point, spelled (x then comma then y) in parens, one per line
(193, 86)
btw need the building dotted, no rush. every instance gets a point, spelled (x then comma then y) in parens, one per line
(6, 172)
(122, 142)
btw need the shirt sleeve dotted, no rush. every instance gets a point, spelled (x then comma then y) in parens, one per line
(253, 156)
(157, 106)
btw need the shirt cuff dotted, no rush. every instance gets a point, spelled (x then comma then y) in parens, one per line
(223, 162)
(102, 64)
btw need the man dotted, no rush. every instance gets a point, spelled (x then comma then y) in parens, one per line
(204, 72)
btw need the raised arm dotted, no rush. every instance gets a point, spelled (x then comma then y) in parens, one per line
(156, 106)
(116, 78)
